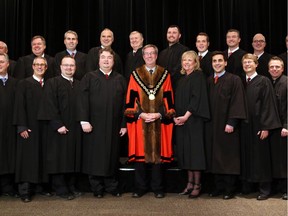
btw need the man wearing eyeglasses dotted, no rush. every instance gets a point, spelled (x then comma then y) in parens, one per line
(30, 133)
(23, 68)
(259, 44)
(63, 150)
(149, 112)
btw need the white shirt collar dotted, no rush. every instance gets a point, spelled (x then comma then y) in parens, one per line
(203, 54)
(67, 78)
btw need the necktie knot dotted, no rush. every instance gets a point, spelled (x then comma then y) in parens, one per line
(248, 80)
(151, 71)
(41, 83)
(229, 54)
(72, 54)
(216, 79)
(107, 76)
(4, 79)
(200, 57)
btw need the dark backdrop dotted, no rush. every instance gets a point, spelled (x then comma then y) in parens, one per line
(22, 19)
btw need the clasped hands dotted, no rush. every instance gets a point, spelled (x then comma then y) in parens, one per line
(150, 117)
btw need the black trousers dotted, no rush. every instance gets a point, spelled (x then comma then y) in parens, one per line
(7, 183)
(99, 184)
(225, 183)
(63, 183)
(143, 177)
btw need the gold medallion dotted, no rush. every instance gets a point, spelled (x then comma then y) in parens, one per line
(151, 97)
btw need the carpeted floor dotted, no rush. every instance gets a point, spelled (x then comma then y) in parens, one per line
(172, 204)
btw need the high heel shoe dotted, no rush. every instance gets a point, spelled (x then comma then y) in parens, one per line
(187, 190)
(195, 195)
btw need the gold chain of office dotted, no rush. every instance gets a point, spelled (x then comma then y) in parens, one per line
(150, 92)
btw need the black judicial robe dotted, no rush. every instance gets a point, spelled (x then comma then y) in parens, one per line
(191, 95)
(59, 108)
(80, 59)
(262, 115)
(227, 105)
(170, 59)
(278, 143)
(28, 151)
(23, 68)
(102, 104)
(7, 129)
(206, 64)
(133, 61)
(234, 64)
(92, 62)
(262, 68)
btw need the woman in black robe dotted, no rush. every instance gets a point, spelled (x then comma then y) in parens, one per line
(191, 103)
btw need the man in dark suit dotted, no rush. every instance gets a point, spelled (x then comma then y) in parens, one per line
(23, 68)
(71, 42)
(234, 54)
(12, 63)
(259, 44)
(202, 45)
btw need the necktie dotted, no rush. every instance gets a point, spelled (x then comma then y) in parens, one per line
(107, 76)
(134, 53)
(200, 57)
(248, 80)
(229, 54)
(73, 55)
(151, 71)
(41, 83)
(71, 82)
(4, 79)
(216, 79)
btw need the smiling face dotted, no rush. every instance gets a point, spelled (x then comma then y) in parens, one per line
(106, 38)
(38, 46)
(201, 43)
(150, 56)
(173, 35)
(276, 68)
(188, 63)
(259, 43)
(233, 39)
(249, 63)
(68, 67)
(218, 63)
(70, 41)
(106, 61)
(39, 67)
(4, 64)
(136, 40)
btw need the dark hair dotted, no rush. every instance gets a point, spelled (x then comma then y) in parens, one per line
(219, 53)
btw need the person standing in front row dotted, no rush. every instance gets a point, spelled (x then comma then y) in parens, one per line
(262, 117)
(101, 112)
(192, 109)
(228, 108)
(29, 149)
(278, 137)
(149, 112)
(63, 157)
(7, 129)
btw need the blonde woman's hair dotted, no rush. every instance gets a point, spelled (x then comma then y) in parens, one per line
(193, 55)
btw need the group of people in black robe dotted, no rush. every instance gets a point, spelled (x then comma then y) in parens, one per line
(230, 120)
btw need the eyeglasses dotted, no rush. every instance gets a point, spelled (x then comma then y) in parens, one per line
(258, 41)
(68, 65)
(41, 65)
(149, 53)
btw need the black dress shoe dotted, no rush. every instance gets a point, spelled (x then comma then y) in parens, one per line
(116, 193)
(11, 194)
(98, 195)
(215, 193)
(262, 197)
(284, 197)
(159, 195)
(77, 193)
(137, 194)
(26, 198)
(46, 193)
(67, 196)
(228, 196)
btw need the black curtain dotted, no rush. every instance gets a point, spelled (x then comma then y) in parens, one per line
(22, 19)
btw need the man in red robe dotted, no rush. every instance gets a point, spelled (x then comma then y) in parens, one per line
(149, 112)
